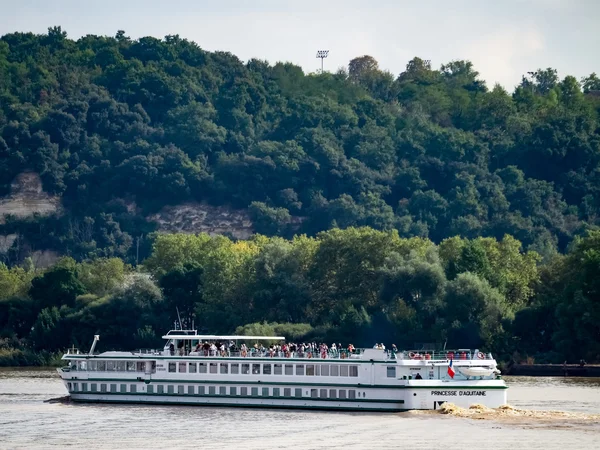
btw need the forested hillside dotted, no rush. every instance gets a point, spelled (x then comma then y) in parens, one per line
(410, 208)
(119, 128)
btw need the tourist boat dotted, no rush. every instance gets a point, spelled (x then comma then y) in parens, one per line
(369, 379)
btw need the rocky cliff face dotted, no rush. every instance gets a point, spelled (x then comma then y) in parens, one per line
(27, 198)
(200, 217)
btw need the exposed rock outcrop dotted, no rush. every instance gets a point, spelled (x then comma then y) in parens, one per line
(201, 217)
(27, 198)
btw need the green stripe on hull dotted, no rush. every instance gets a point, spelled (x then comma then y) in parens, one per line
(281, 383)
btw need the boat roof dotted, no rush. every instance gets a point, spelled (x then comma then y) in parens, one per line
(215, 337)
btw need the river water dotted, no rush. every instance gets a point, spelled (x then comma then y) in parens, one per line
(27, 422)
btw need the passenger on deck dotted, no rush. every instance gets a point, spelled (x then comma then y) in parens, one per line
(418, 377)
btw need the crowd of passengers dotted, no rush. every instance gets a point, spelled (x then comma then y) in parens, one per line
(281, 350)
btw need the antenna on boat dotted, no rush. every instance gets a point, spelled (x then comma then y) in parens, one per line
(179, 318)
(96, 339)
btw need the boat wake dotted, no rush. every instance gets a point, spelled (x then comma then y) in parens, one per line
(507, 413)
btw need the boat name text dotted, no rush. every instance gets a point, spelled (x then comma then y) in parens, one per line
(459, 393)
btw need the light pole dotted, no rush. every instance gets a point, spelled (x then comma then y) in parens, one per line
(322, 54)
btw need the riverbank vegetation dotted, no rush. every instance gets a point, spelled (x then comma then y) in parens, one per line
(412, 208)
(356, 285)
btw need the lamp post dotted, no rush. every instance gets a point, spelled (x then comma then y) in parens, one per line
(322, 54)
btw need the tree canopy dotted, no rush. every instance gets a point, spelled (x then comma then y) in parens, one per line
(120, 127)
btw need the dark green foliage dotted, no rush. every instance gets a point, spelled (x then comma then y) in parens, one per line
(107, 121)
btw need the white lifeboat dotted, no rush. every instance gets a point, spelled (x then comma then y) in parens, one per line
(476, 371)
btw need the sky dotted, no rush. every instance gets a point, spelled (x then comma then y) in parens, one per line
(503, 38)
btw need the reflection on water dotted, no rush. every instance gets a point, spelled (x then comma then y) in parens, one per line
(27, 422)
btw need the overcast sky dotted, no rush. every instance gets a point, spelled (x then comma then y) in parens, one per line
(503, 38)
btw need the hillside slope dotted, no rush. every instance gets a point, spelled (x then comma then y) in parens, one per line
(108, 122)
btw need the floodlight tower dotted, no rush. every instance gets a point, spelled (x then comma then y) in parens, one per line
(322, 54)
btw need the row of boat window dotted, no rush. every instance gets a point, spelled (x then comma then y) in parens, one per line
(117, 366)
(242, 391)
(325, 370)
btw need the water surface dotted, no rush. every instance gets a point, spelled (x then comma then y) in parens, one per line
(27, 422)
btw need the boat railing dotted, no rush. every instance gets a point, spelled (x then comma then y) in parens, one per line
(252, 353)
(445, 355)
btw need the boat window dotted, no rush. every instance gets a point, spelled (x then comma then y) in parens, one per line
(150, 389)
(310, 369)
(287, 392)
(391, 372)
(94, 387)
(160, 389)
(314, 393)
(170, 389)
(132, 388)
(332, 393)
(351, 393)
(317, 370)
(130, 366)
(324, 370)
(235, 368)
(276, 392)
(342, 393)
(191, 390)
(180, 389)
(277, 369)
(266, 369)
(81, 365)
(265, 392)
(289, 369)
(245, 369)
(323, 393)
(212, 390)
(201, 390)
(84, 386)
(103, 387)
(201, 367)
(232, 390)
(223, 368)
(299, 369)
(192, 367)
(254, 392)
(69, 387)
(111, 365)
(182, 367)
(222, 390)
(172, 367)
(93, 366)
(244, 391)
(213, 367)
(298, 392)
(140, 366)
(123, 388)
(343, 370)
(334, 371)
(121, 366)
(353, 371)
(101, 366)
(255, 369)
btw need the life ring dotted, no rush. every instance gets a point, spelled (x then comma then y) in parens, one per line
(244, 353)
(412, 355)
(480, 355)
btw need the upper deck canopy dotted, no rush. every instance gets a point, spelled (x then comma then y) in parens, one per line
(215, 337)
